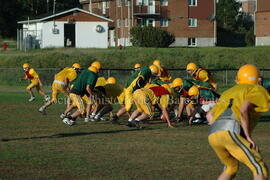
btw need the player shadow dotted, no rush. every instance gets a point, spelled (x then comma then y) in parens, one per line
(66, 135)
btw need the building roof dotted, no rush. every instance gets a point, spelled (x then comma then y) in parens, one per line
(50, 16)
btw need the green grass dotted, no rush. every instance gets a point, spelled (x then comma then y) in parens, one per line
(35, 146)
(208, 57)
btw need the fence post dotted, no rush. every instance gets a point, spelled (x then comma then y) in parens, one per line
(20, 42)
(109, 73)
(226, 74)
(18, 39)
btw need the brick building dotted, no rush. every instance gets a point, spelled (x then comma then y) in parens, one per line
(248, 6)
(191, 21)
(262, 23)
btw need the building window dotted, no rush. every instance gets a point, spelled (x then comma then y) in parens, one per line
(119, 3)
(127, 2)
(107, 4)
(192, 22)
(150, 22)
(192, 2)
(164, 22)
(164, 2)
(141, 2)
(126, 22)
(192, 42)
(118, 23)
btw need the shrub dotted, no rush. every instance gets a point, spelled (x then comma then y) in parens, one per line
(250, 38)
(148, 36)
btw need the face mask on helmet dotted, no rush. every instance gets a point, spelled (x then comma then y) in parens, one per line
(178, 89)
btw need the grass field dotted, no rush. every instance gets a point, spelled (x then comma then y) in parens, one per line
(34, 146)
(207, 57)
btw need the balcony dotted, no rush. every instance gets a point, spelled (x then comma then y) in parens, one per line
(147, 10)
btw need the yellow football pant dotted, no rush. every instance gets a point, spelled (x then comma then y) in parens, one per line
(142, 102)
(232, 148)
(87, 100)
(126, 97)
(36, 85)
(78, 102)
(56, 89)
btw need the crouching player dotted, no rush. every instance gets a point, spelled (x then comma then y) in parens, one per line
(232, 120)
(106, 96)
(83, 85)
(144, 99)
(31, 74)
(137, 80)
(61, 84)
(204, 100)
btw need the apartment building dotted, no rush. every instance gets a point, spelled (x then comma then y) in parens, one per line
(249, 6)
(262, 23)
(191, 21)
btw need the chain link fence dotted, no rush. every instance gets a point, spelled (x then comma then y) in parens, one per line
(28, 39)
(12, 76)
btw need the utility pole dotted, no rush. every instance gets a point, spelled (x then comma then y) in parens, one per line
(90, 5)
(54, 4)
(48, 9)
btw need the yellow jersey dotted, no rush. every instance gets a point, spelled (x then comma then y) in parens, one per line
(203, 75)
(240, 93)
(68, 73)
(32, 75)
(101, 81)
(150, 94)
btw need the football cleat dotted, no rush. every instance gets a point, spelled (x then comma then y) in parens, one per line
(137, 124)
(129, 124)
(47, 98)
(42, 110)
(68, 121)
(31, 99)
(62, 116)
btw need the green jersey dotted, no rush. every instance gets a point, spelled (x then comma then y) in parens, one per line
(200, 84)
(160, 82)
(145, 72)
(85, 78)
(208, 95)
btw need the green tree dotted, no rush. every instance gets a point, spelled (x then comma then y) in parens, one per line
(148, 36)
(12, 11)
(227, 12)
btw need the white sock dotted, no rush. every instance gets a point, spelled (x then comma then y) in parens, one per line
(137, 119)
(129, 120)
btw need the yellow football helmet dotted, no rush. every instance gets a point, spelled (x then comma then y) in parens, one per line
(193, 91)
(96, 64)
(248, 74)
(76, 66)
(154, 69)
(137, 66)
(93, 69)
(157, 63)
(111, 80)
(177, 82)
(26, 65)
(191, 67)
